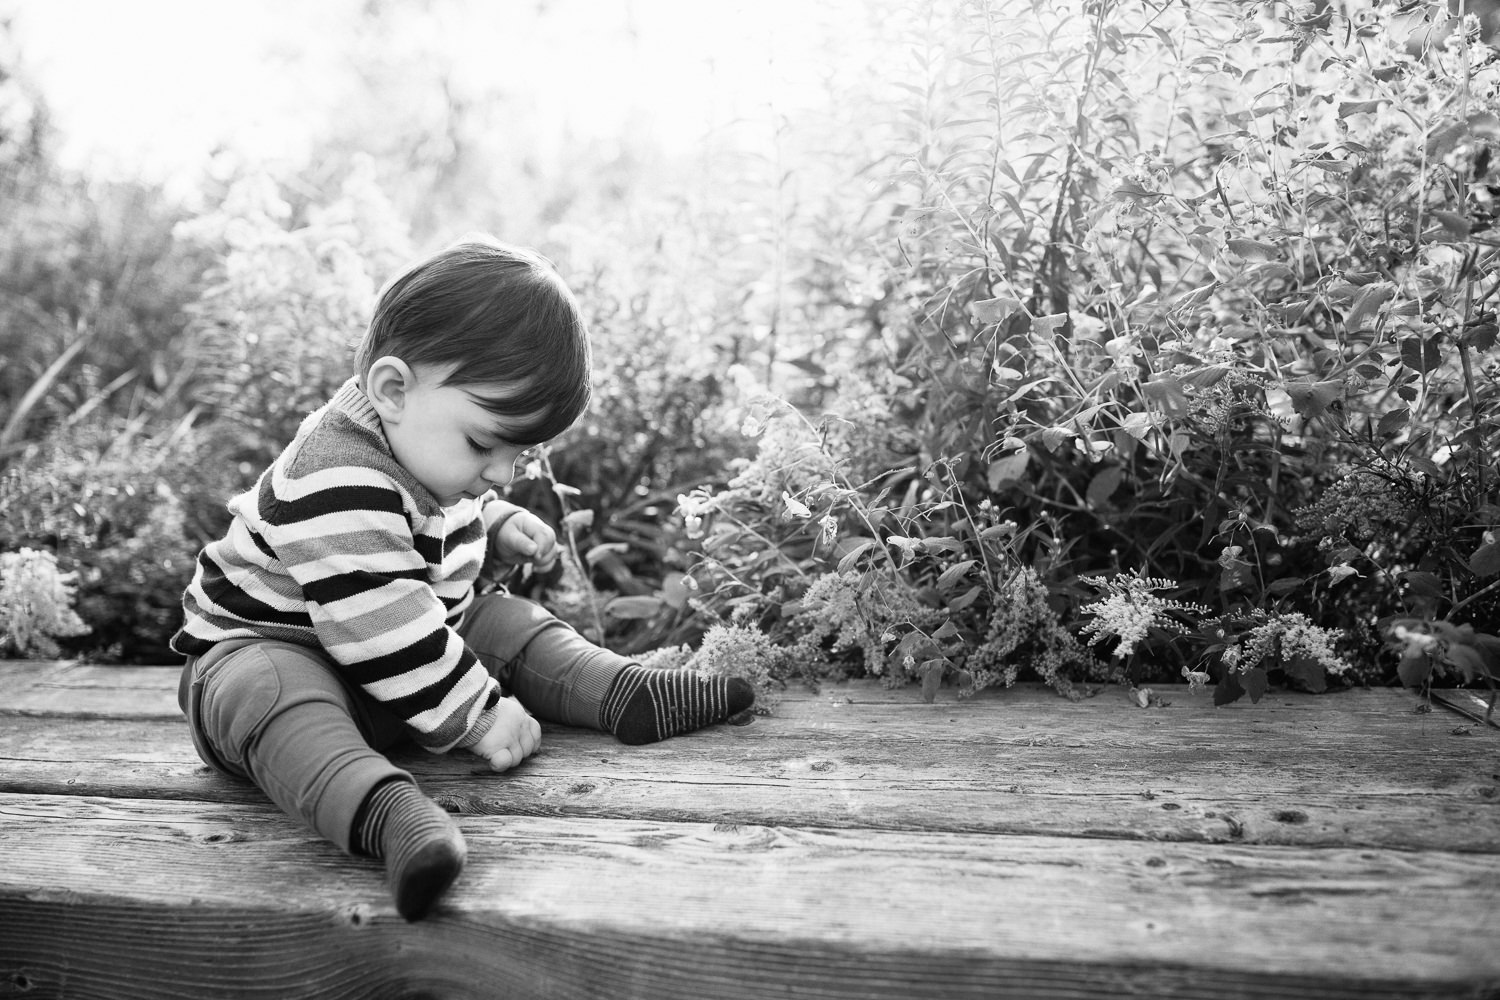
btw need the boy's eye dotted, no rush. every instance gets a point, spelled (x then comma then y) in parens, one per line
(479, 449)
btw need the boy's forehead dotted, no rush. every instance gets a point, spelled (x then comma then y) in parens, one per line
(480, 415)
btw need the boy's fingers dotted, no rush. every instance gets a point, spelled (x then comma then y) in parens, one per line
(504, 760)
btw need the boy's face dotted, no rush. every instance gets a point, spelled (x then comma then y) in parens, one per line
(441, 434)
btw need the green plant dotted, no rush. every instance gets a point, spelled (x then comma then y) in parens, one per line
(289, 297)
(1171, 286)
(1431, 649)
(124, 515)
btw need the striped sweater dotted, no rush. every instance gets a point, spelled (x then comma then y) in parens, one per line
(339, 548)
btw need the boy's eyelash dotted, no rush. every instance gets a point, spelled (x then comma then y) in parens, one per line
(522, 458)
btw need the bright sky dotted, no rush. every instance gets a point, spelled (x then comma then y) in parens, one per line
(154, 85)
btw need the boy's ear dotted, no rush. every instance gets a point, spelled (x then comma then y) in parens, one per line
(386, 384)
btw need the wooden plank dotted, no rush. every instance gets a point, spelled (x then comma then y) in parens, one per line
(94, 691)
(33, 687)
(1419, 788)
(158, 899)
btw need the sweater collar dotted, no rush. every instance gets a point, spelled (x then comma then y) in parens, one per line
(351, 401)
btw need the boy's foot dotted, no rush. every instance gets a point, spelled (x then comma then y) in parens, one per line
(645, 706)
(422, 847)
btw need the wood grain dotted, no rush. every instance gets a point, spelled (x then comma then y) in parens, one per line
(1406, 782)
(229, 900)
(859, 843)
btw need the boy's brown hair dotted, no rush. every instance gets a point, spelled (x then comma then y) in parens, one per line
(504, 317)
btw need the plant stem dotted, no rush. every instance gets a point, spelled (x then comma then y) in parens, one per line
(572, 542)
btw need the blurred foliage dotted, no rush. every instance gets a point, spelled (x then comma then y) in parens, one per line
(1131, 340)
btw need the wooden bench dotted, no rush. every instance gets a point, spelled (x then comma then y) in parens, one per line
(859, 843)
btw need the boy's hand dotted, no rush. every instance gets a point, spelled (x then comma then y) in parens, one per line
(512, 738)
(524, 537)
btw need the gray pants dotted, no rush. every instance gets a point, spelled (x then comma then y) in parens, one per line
(284, 717)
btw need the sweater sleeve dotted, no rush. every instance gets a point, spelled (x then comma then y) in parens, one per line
(343, 535)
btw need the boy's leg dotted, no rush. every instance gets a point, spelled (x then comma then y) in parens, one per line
(280, 715)
(562, 677)
(556, 673)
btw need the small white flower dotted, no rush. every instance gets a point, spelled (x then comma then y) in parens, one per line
(828, 527)
(1195, 678)
(795, 507)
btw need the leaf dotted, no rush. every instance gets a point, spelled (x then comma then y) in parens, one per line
(1046, 326)
(1392, 422)
(908, 546)
(1194, 297)
(1481, 336)
(1255, 683)
(954, 573)
(1228, 690)
(1311, 399)
(1103, 485)
(1137, 425)
(932, 677)
(1206, 377)
(1422, 584)
(1008, 468)
(674, 590)
(996, 310)
(1456, 224)
(1285, 585)
(1442, 140)
(1339, 573)
(1421, 355)
(1309, 671)
(1486, 559)
(636, 607)
(1015, 206)
(1484, 124)
(1054, 436)
(965, 599)
(1467, 661)
(1329, 164)
(1166, 392)
(852, 556)
(1414, 668)
(1253, 249)
(1347, 108)
(1367, 302)
(1131, 191)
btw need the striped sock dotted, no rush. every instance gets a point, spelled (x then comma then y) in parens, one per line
(422, 847)
(645, 706)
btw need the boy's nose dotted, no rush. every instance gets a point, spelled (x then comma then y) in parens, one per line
(501, 473)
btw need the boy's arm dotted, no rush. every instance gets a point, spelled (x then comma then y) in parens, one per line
(350, 548)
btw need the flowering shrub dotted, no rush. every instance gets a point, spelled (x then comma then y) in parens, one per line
(1177, 338)
(124, 518)
(731, 651)
(1131, 610)
(35, 604)
(274, 333)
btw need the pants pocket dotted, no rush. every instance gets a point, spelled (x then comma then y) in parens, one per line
(240, 693)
